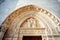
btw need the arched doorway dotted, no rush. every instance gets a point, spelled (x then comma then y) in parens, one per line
(30, 21)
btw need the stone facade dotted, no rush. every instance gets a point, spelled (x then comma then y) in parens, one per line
(31, 21)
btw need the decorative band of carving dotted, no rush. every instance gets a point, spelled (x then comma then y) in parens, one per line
(16, 13)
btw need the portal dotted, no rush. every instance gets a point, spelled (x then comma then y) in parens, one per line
(32, 38)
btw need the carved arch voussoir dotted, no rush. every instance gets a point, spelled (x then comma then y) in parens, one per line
(17, 12)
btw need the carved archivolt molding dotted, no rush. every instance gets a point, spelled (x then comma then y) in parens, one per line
(39, 21)
(6, 24)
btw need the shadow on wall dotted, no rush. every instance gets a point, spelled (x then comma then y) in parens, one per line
(1, 1)
(0, 28)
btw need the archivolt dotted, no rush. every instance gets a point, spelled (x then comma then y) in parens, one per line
(6, 24)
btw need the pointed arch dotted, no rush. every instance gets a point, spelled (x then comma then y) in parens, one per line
(18, 12)
(17, 17)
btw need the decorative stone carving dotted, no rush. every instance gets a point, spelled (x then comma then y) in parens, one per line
(22, 16)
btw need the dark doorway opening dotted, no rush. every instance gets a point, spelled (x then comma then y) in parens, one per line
(32, 38)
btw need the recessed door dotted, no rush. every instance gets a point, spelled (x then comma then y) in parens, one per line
(32, 38)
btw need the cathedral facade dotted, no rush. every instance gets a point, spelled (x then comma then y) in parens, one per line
(31, 22)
